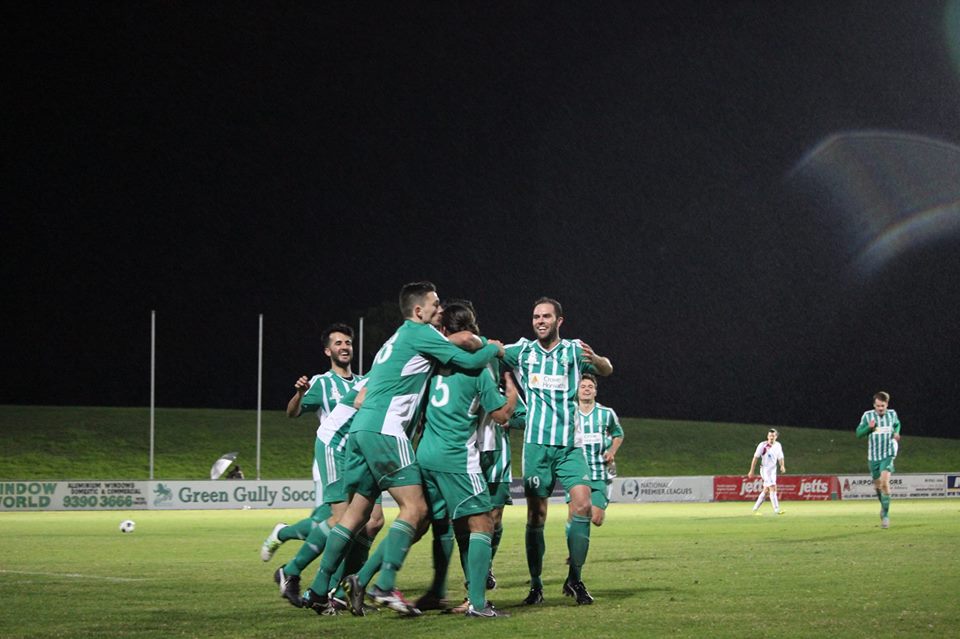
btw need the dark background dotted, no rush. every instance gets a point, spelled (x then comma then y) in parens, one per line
(648, 164)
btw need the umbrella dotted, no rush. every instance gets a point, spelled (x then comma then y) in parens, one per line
(221, 465)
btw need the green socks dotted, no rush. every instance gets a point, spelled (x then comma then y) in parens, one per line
(536, 546)
(478, 563)
(578, 543)
(310, 550)
(398, 541)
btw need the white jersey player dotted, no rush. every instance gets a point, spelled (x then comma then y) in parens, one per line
(770, 453)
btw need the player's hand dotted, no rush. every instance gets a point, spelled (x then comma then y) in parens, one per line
(873, 424)
(588, 353)
(896, 437)
(499, 345)
(302, 385)
(749, 475)
(608, 457)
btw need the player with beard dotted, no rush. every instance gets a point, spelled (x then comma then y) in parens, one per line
(548, 369)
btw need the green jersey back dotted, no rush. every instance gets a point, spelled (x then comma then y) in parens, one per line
(325, 392)
(398, 378)
(457, 400)
(598, 427)
(880, 444)
(549, 379)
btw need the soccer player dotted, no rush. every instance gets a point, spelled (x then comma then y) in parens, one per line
(321, 395)
(602, 438)
(769, 452)
(449, 459)
(882, 428)
(548, 370)
(379, 454)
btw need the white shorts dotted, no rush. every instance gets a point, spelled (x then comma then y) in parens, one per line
(769, 477)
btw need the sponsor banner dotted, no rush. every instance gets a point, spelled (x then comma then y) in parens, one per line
(953, 485)
(789, 487)
(189, 495)
(649, 489)
(901, 486)
(74, 495)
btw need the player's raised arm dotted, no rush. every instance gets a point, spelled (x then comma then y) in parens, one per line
(301, 386)
(600, 364)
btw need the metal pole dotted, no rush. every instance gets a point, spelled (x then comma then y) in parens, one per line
(259, 391)
(153, 379)
(361, 347)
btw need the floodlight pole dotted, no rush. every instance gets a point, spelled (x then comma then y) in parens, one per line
(360, 363)
(153, 379)
(259, 391)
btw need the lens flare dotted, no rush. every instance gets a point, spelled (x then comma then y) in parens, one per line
(893, 192)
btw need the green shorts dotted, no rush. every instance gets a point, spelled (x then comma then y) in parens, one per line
(877, 467)
(455, 495)
(544, 465)
(496, 465)
(376, 462)
(599, 493)
(500, 494)
(328, 462)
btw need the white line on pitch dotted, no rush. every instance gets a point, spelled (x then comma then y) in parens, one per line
(71, 575)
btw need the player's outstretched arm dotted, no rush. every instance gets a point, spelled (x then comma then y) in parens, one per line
(466, 340)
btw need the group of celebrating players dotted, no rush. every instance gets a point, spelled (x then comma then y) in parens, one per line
(430, 425)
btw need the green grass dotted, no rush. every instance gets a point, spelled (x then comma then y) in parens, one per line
(824, 569)
(113, 443)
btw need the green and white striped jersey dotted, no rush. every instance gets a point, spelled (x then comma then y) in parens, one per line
(457, 400)
(325, 391)
(549, 379)
(598, 427)
(494, 442)
(880, 444)
(401, 369)
(335, 428)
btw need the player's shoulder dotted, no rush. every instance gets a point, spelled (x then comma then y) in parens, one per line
(523, 342)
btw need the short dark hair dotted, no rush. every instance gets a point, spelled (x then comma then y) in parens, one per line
(883, 396)
(339, 327)
(412, 294)
(458, 316)
(591, 377)
(557, 309)
(462, 302)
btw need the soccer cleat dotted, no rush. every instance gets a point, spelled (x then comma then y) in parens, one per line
(271, 543)
(323, 606)
(780, 512)
(885, 522)
(487, 612)
(577, 590)
(757, 513)
(289, 586)
(394, 600)
(430, 601)
(491, 580)
(535, 596)
(355, 593)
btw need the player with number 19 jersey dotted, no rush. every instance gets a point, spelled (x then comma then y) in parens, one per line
(550, 379)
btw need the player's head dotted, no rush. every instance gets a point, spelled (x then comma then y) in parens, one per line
(880, 401)
(547, 319)
(587, 391)
(772, 435)
(457, 317)
(338, 344)
(419, 302)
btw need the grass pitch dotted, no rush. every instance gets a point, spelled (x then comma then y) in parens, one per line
(824, 569)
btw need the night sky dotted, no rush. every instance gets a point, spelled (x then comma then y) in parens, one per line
(750, 207)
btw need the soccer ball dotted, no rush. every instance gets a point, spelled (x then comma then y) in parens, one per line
(127, 526)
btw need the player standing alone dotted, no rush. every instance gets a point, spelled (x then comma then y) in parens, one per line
(882, 427)
(769, 453)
